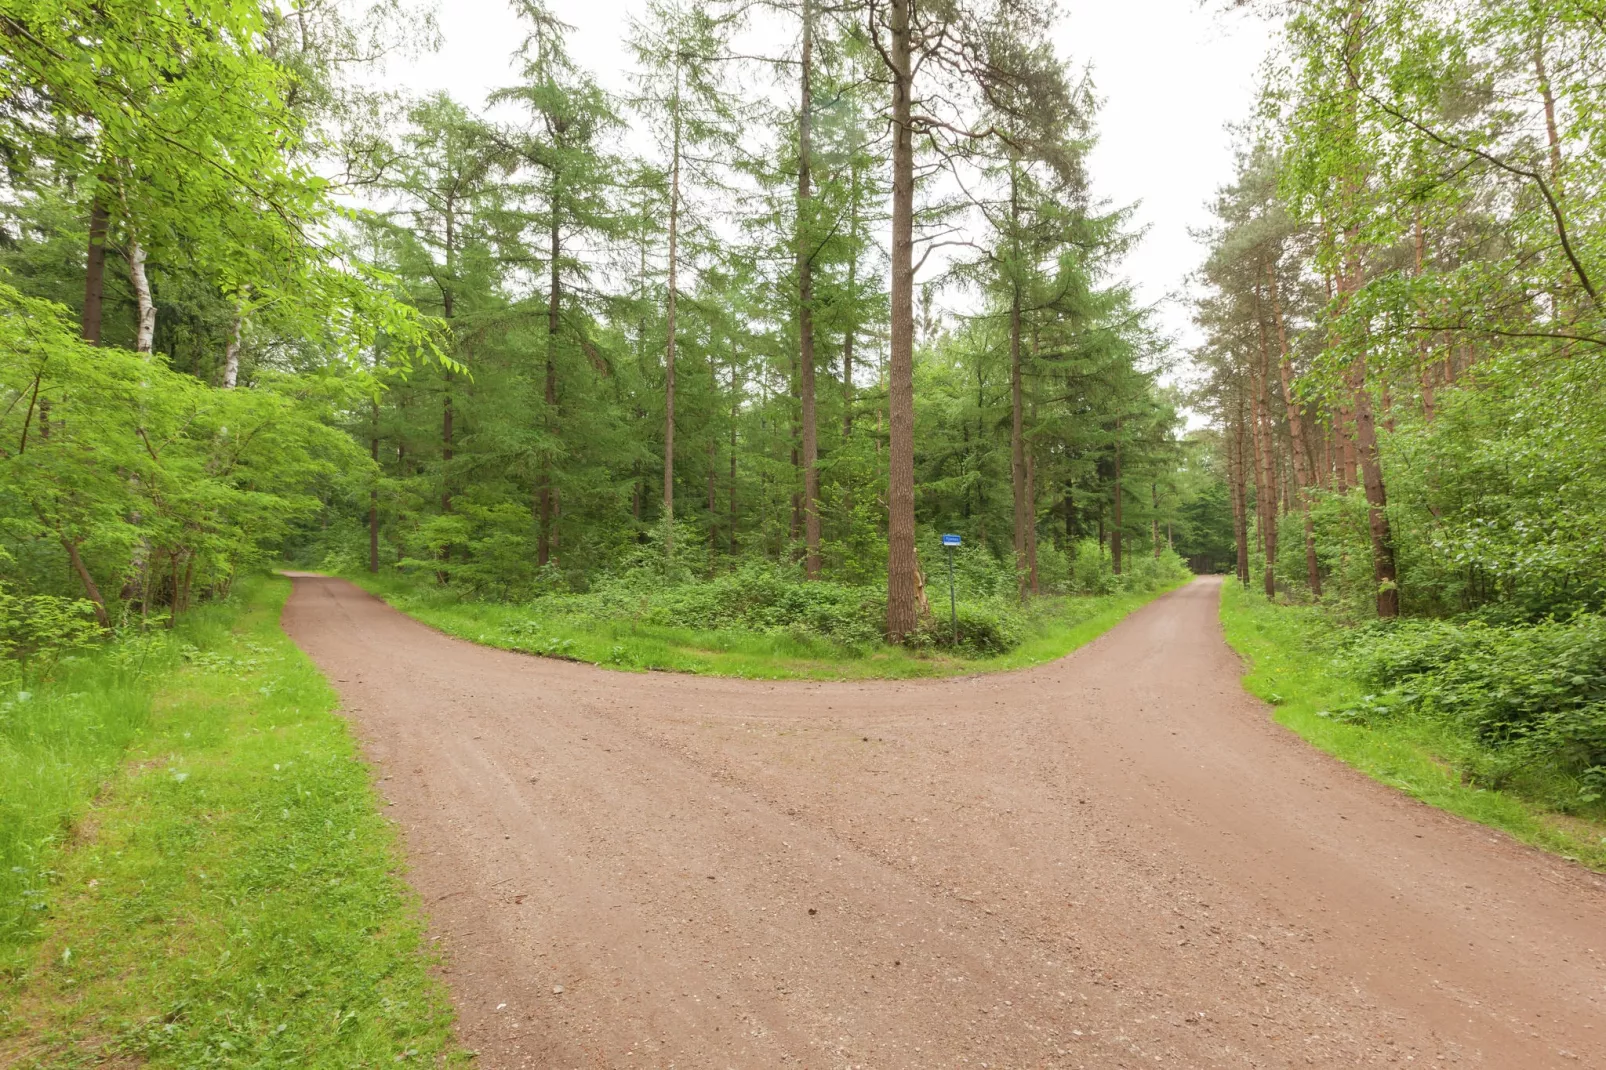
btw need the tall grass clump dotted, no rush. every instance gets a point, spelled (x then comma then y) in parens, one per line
(70, 704)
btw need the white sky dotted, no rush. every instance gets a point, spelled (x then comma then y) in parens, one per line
(1172, 74)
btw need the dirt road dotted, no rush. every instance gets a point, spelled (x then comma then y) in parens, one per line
(1116, 860)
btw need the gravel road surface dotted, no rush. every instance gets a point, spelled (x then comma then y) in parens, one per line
(1115, 860)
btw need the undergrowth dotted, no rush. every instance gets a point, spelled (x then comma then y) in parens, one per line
(764, 620)
(1349, 692)
(203, 874)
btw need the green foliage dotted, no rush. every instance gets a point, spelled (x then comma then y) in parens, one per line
(761, 621)
(763, 597)
(981, 630)
(230, 895)
(36, 630)
(156, 484)
(1091, 570)
(1530, 699)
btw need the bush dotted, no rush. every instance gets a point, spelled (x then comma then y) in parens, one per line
(1532, 698)
(984, 629)
(36, 630)
(1092, 570)
(764, 597)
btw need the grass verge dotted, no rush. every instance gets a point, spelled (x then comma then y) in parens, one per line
(1056, 626)
(229, 896)
(1291, 667)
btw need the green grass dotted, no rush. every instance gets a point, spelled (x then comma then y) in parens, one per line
(209, 879)
(1290, 666)
(1055, 627)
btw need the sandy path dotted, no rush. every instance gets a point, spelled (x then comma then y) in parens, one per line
(1115, 860)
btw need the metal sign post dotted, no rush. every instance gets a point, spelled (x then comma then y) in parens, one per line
(949, 543)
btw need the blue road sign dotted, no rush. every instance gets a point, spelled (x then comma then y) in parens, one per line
(950, 540)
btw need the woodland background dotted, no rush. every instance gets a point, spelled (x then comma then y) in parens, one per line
(735, 347)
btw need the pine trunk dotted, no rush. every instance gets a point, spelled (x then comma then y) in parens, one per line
(669, 345)
(805, 306)
(1299, 443)
(1240, 494)
(373, 496)
(902, 593)
(543, 547)
(1116, 542)
(1266, 484)
(1017, 445)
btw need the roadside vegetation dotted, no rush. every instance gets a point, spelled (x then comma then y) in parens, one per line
(765, 620)
(1403, 360)
(1477, 719)
(194, 870)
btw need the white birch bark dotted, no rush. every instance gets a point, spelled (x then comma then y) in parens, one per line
(146, 327)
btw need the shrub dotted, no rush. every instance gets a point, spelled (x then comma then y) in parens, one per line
(1532, 698)
(1092, 570)
(36, 630)
(767, 598)
(985, 629)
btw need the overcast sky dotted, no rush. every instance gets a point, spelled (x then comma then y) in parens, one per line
(1172, 75)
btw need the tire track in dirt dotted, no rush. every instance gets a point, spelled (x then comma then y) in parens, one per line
(1116, 860)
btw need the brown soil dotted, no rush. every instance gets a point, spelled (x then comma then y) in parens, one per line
(1116, 860)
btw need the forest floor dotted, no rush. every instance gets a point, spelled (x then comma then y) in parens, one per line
(1113, 860)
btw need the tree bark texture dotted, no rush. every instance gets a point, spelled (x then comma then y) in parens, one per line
(145, 322)
(669, 344)
(902, 582)
(95, 272)
(805, 304)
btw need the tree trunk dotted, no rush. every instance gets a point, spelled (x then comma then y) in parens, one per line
(446, 447)
(543, 544)
(95, 272)
(1017, 444)
(1552, 136)
(1370, 463)
(448, 313)
(231, 351)
(852, 292)
(145, 326)
(1304, 465)
(1424, 365)
(730, 538)
(796, 531)
(1266, 482)
(902, 609)
(1031, 499)
(1154, 517)
(90, 589)
(669, 345)
(373, 496)
(1383, 565)
(1115, 519)
(805, 305)
(1257, 468)
(1240, 494)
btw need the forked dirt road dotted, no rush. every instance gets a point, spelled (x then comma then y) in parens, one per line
(1116, 860)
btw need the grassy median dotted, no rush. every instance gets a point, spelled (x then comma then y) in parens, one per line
(619, 636)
